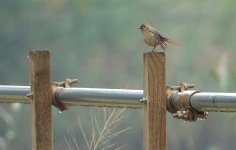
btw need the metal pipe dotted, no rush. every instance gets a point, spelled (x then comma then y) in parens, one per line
(205, 101)
(78, 96)
(14, 94)
(201, 101)
(100, 97)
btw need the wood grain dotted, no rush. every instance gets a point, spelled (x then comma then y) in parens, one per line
(155, 109)
(39, 62)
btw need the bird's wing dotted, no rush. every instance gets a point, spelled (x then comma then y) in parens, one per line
(160, 39)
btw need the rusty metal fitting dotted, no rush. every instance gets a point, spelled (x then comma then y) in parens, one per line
(56, 85)
(185, 86)
(184, 99)
(182, 94)
(178, 103)
(181, 87)
(66, 83)
(185, 115)
(190, 115)
(170, 91)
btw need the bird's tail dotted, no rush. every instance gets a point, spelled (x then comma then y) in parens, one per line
(171, 42)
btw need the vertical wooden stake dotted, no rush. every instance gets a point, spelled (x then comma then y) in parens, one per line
(155, 109)
(41, 105)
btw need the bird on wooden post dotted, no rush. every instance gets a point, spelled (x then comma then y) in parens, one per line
(152, 37)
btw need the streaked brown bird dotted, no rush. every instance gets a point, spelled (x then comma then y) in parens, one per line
(152, 37)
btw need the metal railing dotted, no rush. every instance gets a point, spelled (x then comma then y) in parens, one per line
(155, 99)
(200, 101)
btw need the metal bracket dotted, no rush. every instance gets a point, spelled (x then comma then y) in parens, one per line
(54, 86)
(144, 100)
(183, 110)
(30, 95)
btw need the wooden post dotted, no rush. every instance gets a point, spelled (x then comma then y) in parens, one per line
(155, 109)
(42, 98)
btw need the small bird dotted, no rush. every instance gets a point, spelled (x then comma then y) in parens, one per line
(152, 37)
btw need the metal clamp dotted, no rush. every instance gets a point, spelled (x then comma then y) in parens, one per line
(144, 100)
(182, 108)
(54, 86)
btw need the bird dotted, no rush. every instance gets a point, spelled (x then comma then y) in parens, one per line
(152, 37)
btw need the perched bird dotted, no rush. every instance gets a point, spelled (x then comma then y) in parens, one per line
(152, 37)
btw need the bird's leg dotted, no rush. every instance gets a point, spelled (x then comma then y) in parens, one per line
(153, 48)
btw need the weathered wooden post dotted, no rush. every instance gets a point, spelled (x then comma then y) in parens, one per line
(39, 62)
(155, 109)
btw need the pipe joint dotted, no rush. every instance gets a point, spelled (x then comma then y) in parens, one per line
(179, 105)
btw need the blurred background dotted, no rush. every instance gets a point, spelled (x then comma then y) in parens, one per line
(98, 42)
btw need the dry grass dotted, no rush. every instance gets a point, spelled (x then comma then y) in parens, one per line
(103, 130)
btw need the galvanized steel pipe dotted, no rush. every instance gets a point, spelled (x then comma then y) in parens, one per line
(201, 101)
(206, 101)
(78, 96)
(100, 97)
(14, 94)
